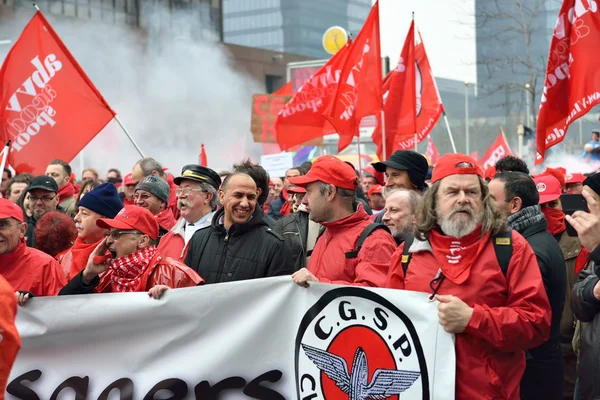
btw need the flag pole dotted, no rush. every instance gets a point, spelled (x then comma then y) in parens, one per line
(382, 124)
(359, 155)
(129, 136)
(5, 152)
(449, 132)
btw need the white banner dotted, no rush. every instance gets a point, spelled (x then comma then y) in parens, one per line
(263, 339)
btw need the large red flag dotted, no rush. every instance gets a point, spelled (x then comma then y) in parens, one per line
(49, 108)
(358, 93)
(572, 85)
(432, 152)
(301, 119)
(412, 101)
(499, 149)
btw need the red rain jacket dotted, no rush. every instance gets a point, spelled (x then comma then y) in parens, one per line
(172, 197)
(511, 314)
(329, 263)
(29, 269)
(10, 342)
(165, 219)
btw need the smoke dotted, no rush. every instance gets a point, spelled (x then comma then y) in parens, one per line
(172, 92)
(572, 163)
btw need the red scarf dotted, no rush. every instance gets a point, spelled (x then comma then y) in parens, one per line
(286, 209)
(80, 252)
(556, 220)
(456, 256)
(582, 260)
(65, 192)
(127, 273)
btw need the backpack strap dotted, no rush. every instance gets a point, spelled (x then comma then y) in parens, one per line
(405, 254)
(363, 236)
(503, 248)
(321, 232)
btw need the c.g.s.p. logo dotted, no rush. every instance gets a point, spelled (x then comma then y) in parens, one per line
(354, 344)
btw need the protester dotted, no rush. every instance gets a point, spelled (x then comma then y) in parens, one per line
(261, 178)
(550, 191)
(399, 213)
(197, 202)
(24, 203)
(60, 171)
(297, 194)
(133, 264)
(517, 198)
(270, 197)
(43, 193)
(367, 181)
(239, 245)
(114, 176)
(277, 186)
(17, 186)
(54, 233)
(591, 150)
(575, 183)
(10, 342)
(338, 257)
(88, 186)
(153, 194)
(6, 179)
(25, 268)
(149, 166)
(102, 202)
(377, 202)
(511, 164)
(89, 174)
(128, 191)
(280, 207)
(494, 303)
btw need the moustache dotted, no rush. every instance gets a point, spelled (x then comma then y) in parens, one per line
(183, 203)
(465, 209)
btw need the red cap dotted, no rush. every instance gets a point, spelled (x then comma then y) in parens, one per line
(548, 187)
(296, 189)
(271, 183)
(128, 180)
(559, 173)
(575, 178)
(331, 170)
(490, 172)
(8, 209)
(447, 165)
(375, 189)
(132, 218)
(379, 177)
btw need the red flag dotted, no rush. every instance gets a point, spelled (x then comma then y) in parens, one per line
(49, 108)
(432, 151)
(412, 100)
(358, 93)
(572, 84)
(301, 119)
(499, 149)
(203, 158)
(286, 90)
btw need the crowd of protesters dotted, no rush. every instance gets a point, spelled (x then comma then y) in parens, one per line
(517, 280)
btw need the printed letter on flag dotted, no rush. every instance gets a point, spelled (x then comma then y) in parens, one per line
(499, 149)
(572, 85)
(49, 108)
(358, 93)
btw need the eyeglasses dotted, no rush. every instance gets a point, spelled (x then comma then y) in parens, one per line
(5, 225)
(187, 191)
(45, 199)
(116, 235)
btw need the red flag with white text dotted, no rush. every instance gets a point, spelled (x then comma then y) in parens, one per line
(301, 118)
(358, 93)
(49, 108)
(499, 149)
(432, 152)
(572, 84)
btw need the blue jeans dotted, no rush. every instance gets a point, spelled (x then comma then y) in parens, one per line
(577, 395)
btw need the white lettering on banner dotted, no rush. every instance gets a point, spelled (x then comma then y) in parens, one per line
(587, 102)
(32, 117)
(497, 154)
(268, 347)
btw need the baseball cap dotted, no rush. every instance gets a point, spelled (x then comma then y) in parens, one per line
(548, 187)
(296, 189)
(200, 174)
(331, 170)
(375, 189)
(575, 178)
(132, 218)
(128, 180)
(448, 165)
(43, 182)
(8, 209)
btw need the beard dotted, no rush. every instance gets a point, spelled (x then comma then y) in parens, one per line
(400, 232)
(459, 225)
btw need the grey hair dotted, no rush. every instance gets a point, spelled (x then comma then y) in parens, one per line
(205, 187)
(149, 165)
(413, 198)
(348, 195)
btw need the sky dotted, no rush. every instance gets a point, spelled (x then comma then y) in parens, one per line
(447, 28)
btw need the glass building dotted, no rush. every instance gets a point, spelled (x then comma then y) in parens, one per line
(290, 26)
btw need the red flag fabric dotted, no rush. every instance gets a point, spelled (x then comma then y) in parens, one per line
(497, 150)
(286, 90)
(432, 151)
(302, 119)
(358, 93)
(409, 107)
(572, 84)
(49, 108)
(203, 158)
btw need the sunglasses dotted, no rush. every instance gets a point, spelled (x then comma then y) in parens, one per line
(116, 235)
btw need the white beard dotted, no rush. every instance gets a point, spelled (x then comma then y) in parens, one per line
(459, 226)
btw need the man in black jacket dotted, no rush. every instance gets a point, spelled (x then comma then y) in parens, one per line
(517, 197)
(239, 245)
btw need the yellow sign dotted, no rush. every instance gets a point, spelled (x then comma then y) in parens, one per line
(334, 39)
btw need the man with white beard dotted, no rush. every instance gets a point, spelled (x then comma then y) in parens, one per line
(484, 276)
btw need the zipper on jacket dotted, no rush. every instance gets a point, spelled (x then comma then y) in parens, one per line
(223, 258)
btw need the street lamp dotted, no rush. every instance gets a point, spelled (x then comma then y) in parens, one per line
(528, 99)
(5, 42)
(467, 115)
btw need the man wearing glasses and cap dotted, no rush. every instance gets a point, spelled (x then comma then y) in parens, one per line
(197, 201)
(43, 192)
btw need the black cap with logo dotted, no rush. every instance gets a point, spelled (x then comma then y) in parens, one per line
(44, 183)
(200, 174)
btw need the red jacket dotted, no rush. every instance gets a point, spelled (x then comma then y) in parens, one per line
(165, 219)
(511, 314)
(10, 341)
(329, 263)
(29, 269)
(172, 197)
(172, 244)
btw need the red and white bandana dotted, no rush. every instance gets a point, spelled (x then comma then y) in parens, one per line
(126, 272)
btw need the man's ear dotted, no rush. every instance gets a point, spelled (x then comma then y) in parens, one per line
(23, 230)
(221, 196)
(517, 205)
(143, 242)
(258, 192)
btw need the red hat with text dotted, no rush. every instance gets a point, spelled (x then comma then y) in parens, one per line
(128, 180)
(330, 170)
(548, 187)
(8, 209)
(449, 165)
(575, 178)
(132, 218)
